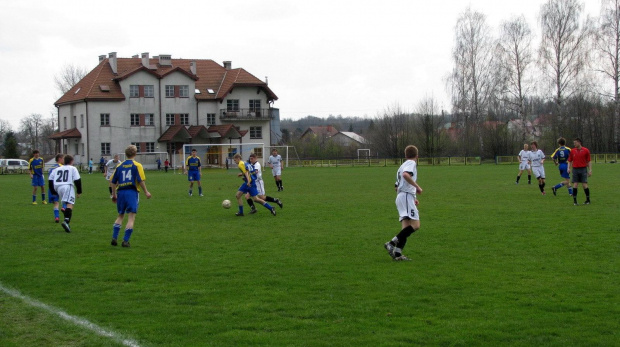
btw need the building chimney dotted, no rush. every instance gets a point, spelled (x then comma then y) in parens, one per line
(113, 66)
(101, 58)
(145, 59)
(165, 60)
(227, 64)
(192, 67)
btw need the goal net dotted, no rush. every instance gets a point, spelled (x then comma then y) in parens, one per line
(148, 159)
(288, 154)
(218, 155)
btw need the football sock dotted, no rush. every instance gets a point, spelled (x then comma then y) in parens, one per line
(56, 213)
(115, 230)
(540, 186)
(281, 184)
(110, 189)
(68, 212)
(127, 234)
(518, 178)
(270, 199)
(43, 197)
(200, 190)
(403, 235)
(241, 209)
(251, 203)
(587, 191)
(559, 185)
(190, 192)
(34, 198)
(529, 178)
(575, 195)
(268, 206)
(570, 190)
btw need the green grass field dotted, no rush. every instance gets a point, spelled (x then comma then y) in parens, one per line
(494, 263)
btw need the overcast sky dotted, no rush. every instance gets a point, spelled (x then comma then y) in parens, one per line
(322, 57)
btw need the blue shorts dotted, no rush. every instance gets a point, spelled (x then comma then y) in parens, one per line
(564, 170)
(51, 198)
(245, 188)
(127, 201)
(193, 176)
(37, 181)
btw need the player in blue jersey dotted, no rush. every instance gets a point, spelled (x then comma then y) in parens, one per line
(35, 165)
(560, 158)
(260, 185)
(53, 198)
(248, 186)
(125, 192)
(193, 170)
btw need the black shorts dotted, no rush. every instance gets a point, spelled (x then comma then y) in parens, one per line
(580, 175)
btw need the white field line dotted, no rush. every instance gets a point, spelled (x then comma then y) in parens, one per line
(73, 319)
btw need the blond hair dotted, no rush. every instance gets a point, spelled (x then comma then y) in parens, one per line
(131, 151)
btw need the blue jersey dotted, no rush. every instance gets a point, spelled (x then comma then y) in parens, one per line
(128, 175)
(247, 167)
(561, 154)
(36, 166)
(193, 163)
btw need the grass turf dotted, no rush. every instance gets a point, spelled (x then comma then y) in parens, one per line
(494, 263)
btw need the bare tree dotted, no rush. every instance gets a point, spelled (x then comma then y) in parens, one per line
(515, 48)
(607, 45)
(5, 127)
(563, 53)
(428, 126)
(474, 79)
(30, 128)
(391, 132)
(68, 77)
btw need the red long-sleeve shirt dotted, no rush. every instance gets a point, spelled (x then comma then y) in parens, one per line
(580, 157)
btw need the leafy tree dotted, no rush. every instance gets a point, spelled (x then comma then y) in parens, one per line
(10, 145)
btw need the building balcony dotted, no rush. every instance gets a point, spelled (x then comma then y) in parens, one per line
(246, 114)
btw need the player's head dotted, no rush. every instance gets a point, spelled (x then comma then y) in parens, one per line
(274, 151)
(561, 141)
(59, 158)
(237, 158)
(193, 152)
(534, 144)
(252, 158)
(411, 152)
(68, 160)
(577, 142)
(116, 157)
(35, 153)
(131, 151)
(526, 146)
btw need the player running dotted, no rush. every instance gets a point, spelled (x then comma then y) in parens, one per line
(275, 163)
(53, 198)
(560, 158)
(193, 170)
(61, 184)
(125, 192)
(537, 158)
(260, 185)
(524, 164)
(35, 165)
(108, 171)
(248, 186)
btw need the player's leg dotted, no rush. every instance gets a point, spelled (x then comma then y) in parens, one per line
(519, 176)
(131, 218)
(256, 198)
(43, 194)
(116, 228)
(586, 191)
(34, 191)
(68, 213)
(198, 181)
(250, 202)
(529, 175)
(240, 193)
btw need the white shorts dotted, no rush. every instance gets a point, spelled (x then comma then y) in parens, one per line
(524, 166)
(260, 187)
(109, 175)
(66, 193)
(538, 171)
(405, 203)
(276, 171)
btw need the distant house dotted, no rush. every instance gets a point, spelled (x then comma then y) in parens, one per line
(348, 138)
(322, 131)
(343, 138)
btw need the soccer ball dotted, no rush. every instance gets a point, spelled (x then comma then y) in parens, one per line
(226, 204)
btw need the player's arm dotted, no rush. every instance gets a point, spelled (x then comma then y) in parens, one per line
(146, 192)
(78, 186)
(407, 176)
(30, 168)
(50, 186)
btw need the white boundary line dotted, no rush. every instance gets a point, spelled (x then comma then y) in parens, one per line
(73, 319)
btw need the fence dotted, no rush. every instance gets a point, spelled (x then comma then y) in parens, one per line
(383, 162)
(596, 158)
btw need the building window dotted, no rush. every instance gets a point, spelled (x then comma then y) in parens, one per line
(65, 123)
(232, 105)
(105, 148)
(170, 91)
(74, 122)
(150, 147)
(171, 147)
(81, 121)
(134, 91)
(105, 119)
(149, 119)
(210, 118)
(184, 91)
(169, 119)
(184, 118)
(149, 91)
(135, 119)
(137, 144)
(77, 150)
(256, 132)
(258, 151)
(255, 105)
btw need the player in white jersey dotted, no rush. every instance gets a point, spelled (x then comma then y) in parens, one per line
(406, 202)
(62, 185)
(275, 163)
(537, 158)
(109, 169)
(260, 186)
(524, 164)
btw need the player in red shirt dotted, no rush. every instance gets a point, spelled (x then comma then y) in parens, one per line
(581, 166)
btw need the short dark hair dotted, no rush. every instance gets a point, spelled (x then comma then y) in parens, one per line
(411, 152)
(252, 155)
(68, 159)
(59, 156)
(35, 151)
(193, 149)
(578, 139)
(534, 143)
(561, 141)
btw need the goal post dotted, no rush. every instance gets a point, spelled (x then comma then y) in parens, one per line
(363, 153)
(218, 155)
(288, 153)
(148, 159)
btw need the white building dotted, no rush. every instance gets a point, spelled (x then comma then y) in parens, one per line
(159, 104)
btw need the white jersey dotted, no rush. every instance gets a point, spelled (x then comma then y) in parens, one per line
(536, 158)
(111, 167)
(258, 170)
(409, 166)
(65, 175)
(525, 156)
(276, 162)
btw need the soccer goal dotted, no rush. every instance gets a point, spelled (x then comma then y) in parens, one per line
(218, 155)
(288, 153)
(363, 153)
(148, 159)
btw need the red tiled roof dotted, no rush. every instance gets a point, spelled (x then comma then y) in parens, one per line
(67, 134)
(196, 130)
(172, 132)
(223, 130)
(321, 130)
(209, 75)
